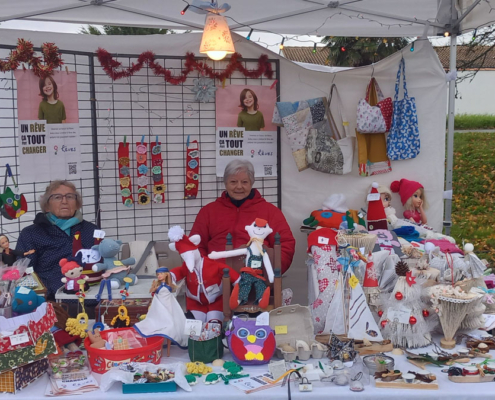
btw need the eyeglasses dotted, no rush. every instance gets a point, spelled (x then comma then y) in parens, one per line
(58, 197)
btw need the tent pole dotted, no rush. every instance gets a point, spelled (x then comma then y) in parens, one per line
(447, 223)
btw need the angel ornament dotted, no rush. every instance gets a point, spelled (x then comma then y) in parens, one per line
(252, 273)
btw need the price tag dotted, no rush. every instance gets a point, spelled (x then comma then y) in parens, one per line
(277, 368)
(23, 290)
(281, 329)
(193, 327)
(402, 314)
(29, 270)
(19, 338)
(98, 234)
(323, 240)
(263, 319)
(373, 197)
(353, 281)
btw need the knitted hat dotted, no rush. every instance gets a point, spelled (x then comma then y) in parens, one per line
(322, 237)
(376, 216)
(182, 243)
(405, 189)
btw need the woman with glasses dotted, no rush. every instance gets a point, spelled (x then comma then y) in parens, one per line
(57, 232)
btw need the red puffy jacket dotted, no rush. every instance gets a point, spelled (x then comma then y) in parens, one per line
(215, 220)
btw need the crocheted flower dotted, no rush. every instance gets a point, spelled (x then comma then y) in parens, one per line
(128, 203)
(141, 158)
(141, 149)
(156, 149)
(142, 180)
(124, 170)
(192, 164)
(124, 182)
(143, 199)
(158, 189)
(157, 162)
(156, 170)
(158, 198)
(204, 89)
(125, 192)
(157, 177)
(124, 160)
(143, 169)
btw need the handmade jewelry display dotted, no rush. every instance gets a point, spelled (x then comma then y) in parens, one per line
(192, 170)
(142, 172)
(157, 172)
(124, 174)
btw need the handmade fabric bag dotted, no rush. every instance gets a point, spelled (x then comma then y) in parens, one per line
(403, 140)
(331, 150)
(374, 118)
(372, 149)
(205, 351)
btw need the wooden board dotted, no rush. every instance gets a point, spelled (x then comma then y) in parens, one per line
(400, 384)
(472, 379)
(375, 347)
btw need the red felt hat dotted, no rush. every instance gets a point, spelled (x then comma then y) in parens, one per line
(182, 243)
(405, 189)
(376, 217)
(322, 237)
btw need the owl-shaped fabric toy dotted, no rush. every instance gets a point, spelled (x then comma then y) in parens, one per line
(249, 343)
(13, 205)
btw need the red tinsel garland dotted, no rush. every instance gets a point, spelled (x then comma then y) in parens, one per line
(111, 66)
(24, 53)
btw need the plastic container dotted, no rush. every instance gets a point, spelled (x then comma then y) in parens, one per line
(69, 368)
(149, 387)
(101, 360)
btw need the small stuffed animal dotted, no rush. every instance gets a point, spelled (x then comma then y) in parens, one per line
(116, 270)
(72, 270)
(26, 300)
(96, 340)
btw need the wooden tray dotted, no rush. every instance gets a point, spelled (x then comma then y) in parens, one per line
(376, 347)
(400, 384)
(472, 379)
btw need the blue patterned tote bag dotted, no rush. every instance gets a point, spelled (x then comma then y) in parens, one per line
(403, 140)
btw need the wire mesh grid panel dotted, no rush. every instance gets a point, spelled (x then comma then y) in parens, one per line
(9, 152)
(144, 107)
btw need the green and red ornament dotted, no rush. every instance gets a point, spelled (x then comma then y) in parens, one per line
(13, 204)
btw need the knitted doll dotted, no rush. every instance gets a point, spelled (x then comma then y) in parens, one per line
(412, 196)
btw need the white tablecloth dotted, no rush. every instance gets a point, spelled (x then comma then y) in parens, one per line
(447, 390)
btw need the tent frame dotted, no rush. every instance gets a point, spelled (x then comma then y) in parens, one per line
(447, 21)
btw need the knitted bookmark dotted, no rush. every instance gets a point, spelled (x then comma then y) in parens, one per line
(192, 170)
(142, 172)
(124, 174)
(157, 173)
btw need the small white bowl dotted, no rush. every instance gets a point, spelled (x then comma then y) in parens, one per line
(463, 351)
(408, 378)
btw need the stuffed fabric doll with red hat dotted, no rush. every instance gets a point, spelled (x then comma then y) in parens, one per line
(252, 273)
(376, 217)
(412, 196)
(203, 276)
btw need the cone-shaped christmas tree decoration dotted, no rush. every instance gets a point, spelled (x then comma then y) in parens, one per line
(376, 216)
(403, 321)
(370, 282)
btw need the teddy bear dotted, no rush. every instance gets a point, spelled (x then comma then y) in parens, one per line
(72, 271)
(115, 270)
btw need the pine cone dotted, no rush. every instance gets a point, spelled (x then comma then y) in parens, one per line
(401, 268)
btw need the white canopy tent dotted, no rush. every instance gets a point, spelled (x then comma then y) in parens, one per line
(368, 18)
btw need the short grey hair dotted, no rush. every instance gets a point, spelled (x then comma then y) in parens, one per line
(45, 198)
(236, 166)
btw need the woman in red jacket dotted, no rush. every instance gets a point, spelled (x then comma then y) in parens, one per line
(237, 207)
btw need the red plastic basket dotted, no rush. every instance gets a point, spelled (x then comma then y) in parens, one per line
(101, 360)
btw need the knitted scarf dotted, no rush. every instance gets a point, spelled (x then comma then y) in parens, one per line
(65, 224)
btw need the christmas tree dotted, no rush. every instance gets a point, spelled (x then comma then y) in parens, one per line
(407, 320)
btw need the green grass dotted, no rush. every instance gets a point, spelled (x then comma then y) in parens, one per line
(474, 121)
(473, 180)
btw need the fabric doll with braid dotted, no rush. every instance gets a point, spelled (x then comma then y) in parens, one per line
(412, 196)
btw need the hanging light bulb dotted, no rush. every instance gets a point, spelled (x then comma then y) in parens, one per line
(184, 10)
(248, 37)
(282, 44)
(217, 41)
(314, 48)
(446, 34)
